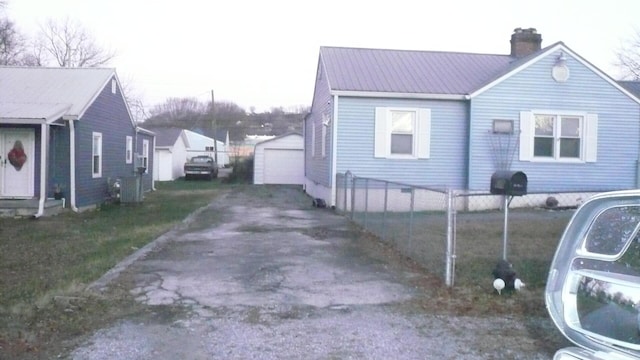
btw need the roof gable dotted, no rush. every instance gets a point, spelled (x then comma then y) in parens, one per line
(198, 142)
(527, 61)
(431, 74)
(293, 133)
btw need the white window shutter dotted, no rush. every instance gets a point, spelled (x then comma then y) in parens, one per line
(381, 140)
(423, 131)
(527, 130)
(591, 138)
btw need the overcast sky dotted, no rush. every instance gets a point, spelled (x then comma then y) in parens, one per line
(264, 53)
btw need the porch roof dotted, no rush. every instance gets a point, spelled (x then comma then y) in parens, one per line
(21, 113)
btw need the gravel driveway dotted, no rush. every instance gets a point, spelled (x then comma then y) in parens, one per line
(260, 274)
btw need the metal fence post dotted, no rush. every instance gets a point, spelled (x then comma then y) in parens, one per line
(411, 207)
(366, 201)
(353, 196)
(384, 213)
(450, 255)
(346, 187)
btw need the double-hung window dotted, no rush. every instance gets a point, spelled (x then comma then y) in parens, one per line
(558, 136)
(402, 133)
(145, 155)
(96, 163)
(403, 125)
(129, 150)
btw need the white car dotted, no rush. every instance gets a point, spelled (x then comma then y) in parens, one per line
(593, 289)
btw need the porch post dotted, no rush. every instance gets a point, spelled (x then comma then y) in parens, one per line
(44, 155)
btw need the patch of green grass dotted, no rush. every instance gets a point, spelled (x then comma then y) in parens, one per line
(56, 257)
(533, 236)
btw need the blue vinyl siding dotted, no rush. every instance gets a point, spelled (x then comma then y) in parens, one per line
(59, 160)
(446, 166)
(318, 168)
(534, 89)
(107, 115)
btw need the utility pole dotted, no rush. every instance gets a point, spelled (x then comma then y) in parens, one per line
(214, 128)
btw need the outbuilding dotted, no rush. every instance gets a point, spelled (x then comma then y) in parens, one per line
(279, 160)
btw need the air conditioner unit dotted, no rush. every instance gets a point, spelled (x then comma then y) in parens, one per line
(130, 189)
(139, 164)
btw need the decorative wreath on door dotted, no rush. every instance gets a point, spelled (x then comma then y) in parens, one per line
(16, 156)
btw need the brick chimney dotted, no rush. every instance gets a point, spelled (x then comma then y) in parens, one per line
(525, 42)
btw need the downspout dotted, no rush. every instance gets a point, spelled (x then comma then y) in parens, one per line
(334, 150)
(44, 141)
(153, 152)
(72, 160)
(135, 149)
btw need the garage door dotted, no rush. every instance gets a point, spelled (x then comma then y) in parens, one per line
(283, 166)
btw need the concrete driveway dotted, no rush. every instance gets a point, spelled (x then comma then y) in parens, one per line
(260, 274)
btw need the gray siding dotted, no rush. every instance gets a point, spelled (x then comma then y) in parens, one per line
(318, 168)
(585, 91)
(446, 166)
(107, 115)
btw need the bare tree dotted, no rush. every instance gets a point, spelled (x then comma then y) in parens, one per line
(11, 43)
(133, 99)
(629, 57)
(68, 44)
(187, 113)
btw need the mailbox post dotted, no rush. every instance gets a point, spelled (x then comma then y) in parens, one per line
(508, 184)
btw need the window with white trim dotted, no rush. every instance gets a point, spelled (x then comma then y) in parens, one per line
(145, 155)
(129, 150)
(96, 155)
(558, 136)
(403, 133)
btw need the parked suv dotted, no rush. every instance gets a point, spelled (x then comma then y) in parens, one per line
(593, 288)
(202, 166)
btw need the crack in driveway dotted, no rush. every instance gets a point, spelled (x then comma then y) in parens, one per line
(276, 280)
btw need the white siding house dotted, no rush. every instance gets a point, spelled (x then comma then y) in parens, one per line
(170, 154)
(204, 145)
(174, 146)
(279, 160)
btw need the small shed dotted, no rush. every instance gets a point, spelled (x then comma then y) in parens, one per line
(279, 160)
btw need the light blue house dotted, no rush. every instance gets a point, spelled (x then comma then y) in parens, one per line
(449, 119)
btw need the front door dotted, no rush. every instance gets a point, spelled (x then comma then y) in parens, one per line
(17, 163)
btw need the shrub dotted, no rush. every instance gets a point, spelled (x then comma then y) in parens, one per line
(242, 171)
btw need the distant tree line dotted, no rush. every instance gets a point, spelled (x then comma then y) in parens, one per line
(66, 43)
(191, 114)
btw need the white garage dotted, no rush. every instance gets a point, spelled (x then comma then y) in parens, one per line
(279, 160)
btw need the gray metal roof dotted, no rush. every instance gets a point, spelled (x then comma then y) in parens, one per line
(632, 86)
(166, 136)
(41, 92)
(406, 71)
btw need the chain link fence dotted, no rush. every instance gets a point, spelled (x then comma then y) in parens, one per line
(457, 233)
(413, 219)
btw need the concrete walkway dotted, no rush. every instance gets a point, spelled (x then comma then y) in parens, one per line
(260, 274)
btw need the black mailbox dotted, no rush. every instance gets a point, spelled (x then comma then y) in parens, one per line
(509, 183)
